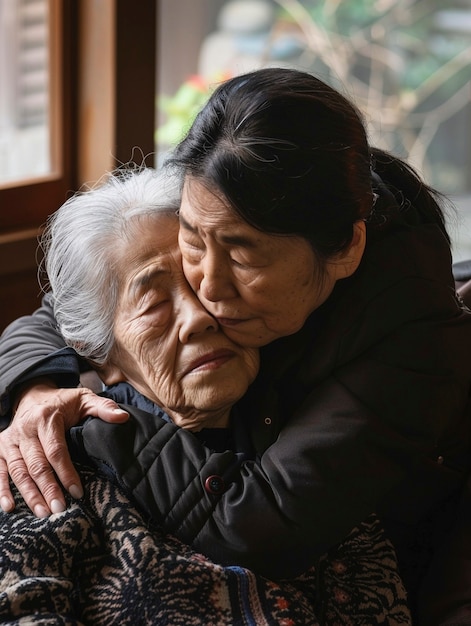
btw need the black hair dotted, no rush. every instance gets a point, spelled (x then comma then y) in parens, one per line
(290, 155)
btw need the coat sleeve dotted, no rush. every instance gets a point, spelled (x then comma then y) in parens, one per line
(31, 346)
(384, 431)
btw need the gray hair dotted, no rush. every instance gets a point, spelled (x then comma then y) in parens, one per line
(78, 243)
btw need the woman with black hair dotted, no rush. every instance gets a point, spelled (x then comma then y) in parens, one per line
(333, 258)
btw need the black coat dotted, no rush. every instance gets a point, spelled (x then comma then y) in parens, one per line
(364, 410)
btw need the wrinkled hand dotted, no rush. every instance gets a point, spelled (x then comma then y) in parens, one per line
(33, 449)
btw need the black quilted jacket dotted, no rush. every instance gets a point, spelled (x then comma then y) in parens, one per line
(364, 410)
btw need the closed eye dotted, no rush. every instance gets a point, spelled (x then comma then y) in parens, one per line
(192, 250)
(240, 264)
(158, 314)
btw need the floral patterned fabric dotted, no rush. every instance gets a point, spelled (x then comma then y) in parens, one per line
(101, 563)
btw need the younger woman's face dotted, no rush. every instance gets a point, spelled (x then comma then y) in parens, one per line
(258, 286)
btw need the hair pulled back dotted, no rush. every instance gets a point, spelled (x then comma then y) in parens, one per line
(290, 155)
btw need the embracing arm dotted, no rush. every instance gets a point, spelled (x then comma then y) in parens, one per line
(34, 361)
(240, 511)
(26, 346)
(372, 435)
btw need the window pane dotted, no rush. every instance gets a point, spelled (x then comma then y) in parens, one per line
(406, 64)
(26, 85)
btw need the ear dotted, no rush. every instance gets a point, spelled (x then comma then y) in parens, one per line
(110, 373)
(346, 263)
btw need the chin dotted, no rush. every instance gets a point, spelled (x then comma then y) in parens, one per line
(218, 402)
(191, 425)
(250, 340)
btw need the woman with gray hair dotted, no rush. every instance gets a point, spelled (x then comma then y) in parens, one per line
(78, 243)
(114, 269)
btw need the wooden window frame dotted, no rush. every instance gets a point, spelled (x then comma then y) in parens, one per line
(136, 79)
(126, 111)
(26, 205)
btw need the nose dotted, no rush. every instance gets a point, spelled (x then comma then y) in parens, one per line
(194, 319)
(216, 279)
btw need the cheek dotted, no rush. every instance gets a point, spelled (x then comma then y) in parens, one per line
(167, 391)
(301, 284)
(298, 300)
(267, 296)
(160, 361)
(252, 366)
(192, 274)
(159, 369)
(286, 305)
(134, 344)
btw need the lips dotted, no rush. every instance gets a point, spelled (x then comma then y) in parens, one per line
(211, 360)
(229, 321)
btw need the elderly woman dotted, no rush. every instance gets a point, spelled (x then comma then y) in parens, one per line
(333, 257)
(122, 302)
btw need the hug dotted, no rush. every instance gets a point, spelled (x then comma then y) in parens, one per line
(331, 397)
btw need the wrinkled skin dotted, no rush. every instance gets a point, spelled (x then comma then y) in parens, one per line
(166, 344)
(257, 285)
(33, 447)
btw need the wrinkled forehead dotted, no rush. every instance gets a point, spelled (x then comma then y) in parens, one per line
(161, 226)
(147, 240)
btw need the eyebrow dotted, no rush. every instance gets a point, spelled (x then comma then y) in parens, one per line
(233, 240)
(143, 281)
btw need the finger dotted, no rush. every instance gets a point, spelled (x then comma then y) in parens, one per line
(7, 503)
(41, 472)
(27, 487)
(104, 408)
(57, 454)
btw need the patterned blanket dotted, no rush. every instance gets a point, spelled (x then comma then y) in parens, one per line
(100, 563)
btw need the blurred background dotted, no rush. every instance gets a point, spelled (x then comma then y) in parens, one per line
(88, 85)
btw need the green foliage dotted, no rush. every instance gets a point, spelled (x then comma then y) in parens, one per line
(408, 75)
(181, 109)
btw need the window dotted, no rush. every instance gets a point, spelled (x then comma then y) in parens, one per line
(83, 101)
(36, 84)
(27, 91)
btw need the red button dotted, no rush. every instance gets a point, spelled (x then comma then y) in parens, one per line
(214, 484)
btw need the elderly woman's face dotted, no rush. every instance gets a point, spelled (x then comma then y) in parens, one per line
(167, 345)
(258, 286)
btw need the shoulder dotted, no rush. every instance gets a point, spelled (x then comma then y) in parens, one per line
(119, 444)
(400, 307)
(404, 276)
